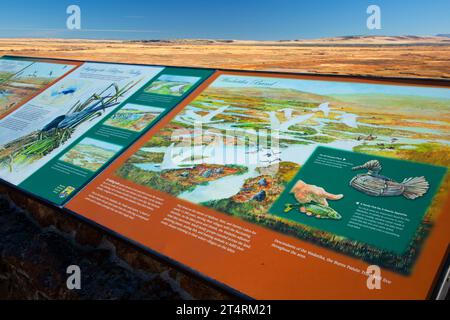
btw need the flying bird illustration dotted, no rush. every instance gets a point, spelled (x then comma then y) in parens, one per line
(191, 116)
(324, 107)
(270, 156)
(349, 119)
(276, 124)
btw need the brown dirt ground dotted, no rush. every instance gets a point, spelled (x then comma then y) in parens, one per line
(400, 57)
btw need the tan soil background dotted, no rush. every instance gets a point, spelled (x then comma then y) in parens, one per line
(408, 56)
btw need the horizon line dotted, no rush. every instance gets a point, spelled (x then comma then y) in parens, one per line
(439, 35)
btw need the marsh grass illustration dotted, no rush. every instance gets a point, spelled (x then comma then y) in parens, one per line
(39, 143)
(5, 76)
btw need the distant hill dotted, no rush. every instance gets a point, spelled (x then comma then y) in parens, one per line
(355, 40)
(389, 104)
(393, 103)
(269, 93)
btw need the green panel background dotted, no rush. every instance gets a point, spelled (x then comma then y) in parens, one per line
(337, 181)
(48, 183)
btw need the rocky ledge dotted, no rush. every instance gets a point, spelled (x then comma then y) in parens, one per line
(39, 243)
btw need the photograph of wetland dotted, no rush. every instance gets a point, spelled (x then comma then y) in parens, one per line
(134, 117)
(172, 85)
(91, 154)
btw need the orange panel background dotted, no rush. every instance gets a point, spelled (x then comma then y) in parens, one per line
(263, 272)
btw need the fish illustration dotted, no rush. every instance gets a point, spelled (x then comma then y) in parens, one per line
(374, 184)
(312, 201)
(312, 209)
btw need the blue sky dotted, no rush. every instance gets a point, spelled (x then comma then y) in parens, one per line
(230, 19)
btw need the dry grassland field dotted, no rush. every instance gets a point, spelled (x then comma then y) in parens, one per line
(408, 56)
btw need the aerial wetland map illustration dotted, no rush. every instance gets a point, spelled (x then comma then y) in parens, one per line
(225, 167)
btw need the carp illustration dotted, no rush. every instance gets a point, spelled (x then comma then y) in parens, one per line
(312, 201)
(376, 185)
(317, 210)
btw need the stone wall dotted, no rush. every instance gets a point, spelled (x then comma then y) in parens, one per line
(38, 243)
